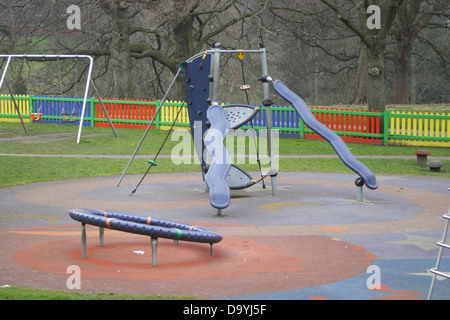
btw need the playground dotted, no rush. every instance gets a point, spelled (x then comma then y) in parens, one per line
(311, 241)
(274, 235)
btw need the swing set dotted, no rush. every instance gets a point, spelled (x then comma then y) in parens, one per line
(202, 93)
(68, 115)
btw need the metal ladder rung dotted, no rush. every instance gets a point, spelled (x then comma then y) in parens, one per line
(440, 273)
(443, 244)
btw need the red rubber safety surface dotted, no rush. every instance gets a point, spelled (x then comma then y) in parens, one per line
(261, 263)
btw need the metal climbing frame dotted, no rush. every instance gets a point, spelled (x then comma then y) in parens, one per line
(214, 94)
(216, 52)
(56, 57)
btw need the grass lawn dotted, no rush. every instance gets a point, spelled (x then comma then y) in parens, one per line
(54, 139)
(15, 293)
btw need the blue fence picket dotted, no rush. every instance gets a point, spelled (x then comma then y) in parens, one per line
(66, 110)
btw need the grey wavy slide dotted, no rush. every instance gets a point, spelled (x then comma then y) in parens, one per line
(219, 191)
(336, 142)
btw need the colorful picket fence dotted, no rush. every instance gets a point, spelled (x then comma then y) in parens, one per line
(352, 125)
(393, 128)
(419, 129)
(57, 110)
(8, 111)
(174, 113)
(135, 114)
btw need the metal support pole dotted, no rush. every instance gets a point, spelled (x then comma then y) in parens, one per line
(101, 236)
(215, 72)
(266, 92)
(211, 250)
(359, 194)
(154, 242)
(89, 77)
(148, 127)
(15, 106)
(83, 241)
(5, 70)
(104, 109)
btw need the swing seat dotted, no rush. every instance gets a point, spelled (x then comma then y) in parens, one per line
(69, 117)
(35, 116)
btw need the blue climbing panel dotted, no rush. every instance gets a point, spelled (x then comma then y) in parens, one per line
(197, 94)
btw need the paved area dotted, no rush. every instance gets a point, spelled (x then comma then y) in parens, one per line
(312, 240)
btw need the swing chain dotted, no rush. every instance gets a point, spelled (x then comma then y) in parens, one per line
(246, 87)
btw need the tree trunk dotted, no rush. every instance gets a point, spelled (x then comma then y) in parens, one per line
(184, 48)
(413, 87)
(121, 62)
(376, 78)
(374, 38)
(361, 77)
(402, 63)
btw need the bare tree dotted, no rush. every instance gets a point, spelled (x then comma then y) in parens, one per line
(412, 17)
(317, 54)
(24, 24)
(373, 38)
(165, 31)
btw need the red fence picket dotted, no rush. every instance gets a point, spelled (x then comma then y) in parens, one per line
(360, 126)
(126, 113)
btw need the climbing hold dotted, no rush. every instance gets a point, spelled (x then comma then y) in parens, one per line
(265, 78)
(152, 162)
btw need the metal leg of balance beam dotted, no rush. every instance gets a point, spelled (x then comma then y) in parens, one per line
(154, 242)
(101, 237)
(83, 241)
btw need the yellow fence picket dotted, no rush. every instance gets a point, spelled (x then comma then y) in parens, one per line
(412, 129)
(169, 112)
(7, 107)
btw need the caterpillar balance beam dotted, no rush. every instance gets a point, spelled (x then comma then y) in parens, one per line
(147, 226)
